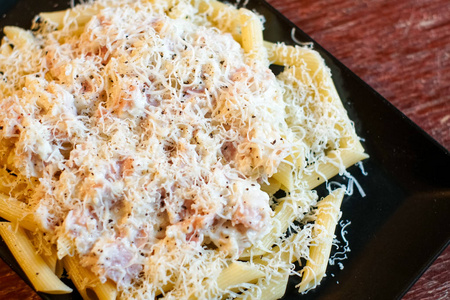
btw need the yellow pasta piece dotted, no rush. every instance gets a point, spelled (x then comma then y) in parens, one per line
(164, 289)
(278, 254)
(297, 158)
(18, 37)
(81, 14)
(56, 17)
(284, 176)
(274, 286)
(87, 283)
(252, 35)
(6, 181)
(51, 261)
(350, 140)
(16, 211)
(59, 268)
(283, 217)
(271, 188)
(38, 272)
(281, 54)
(48, 252)
(224, 17)
(268, 289)
(327, 218)
(237, 273)
(6, 48)
(326, 170)
(64, 247)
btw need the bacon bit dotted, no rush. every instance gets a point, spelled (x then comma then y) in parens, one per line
(141, 238)
(127, 167)
(86, 86)
(229, 151)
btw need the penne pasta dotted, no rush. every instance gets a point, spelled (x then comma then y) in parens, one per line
(5, 50)
(284, 176)
(16, 211)
(252, 36)
(7, 181)
(64, 247)
(80, 16)
(327, 218)
(46, 250)
(271, 188)
(56, 17)
(87, 283)
(294, 57)
(59, 268)
(51, 261)
(283, 55)
(237, 273)
(151, 137)
(269, 288)
(331, 166)
(18, 36)
(225, 17)
(282, 219)
(38, 272)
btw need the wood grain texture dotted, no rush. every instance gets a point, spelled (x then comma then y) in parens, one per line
(20, 290)
(402, 49)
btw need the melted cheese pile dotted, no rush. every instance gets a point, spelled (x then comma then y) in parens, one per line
(149, 137)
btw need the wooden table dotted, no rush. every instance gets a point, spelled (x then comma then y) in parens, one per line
(402, 49)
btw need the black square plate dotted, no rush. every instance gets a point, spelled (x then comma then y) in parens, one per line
(402, 224)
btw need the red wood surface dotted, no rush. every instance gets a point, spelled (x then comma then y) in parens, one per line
(402, 49)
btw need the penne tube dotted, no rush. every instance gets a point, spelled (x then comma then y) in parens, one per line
(332, 166)
(16, 211)
(47, 251)
(38, 272)
(7, 181)
(284, 176)
(224, 17)
(252, 35)
(59, 268)
(5, 48)
(18, 36)
(237, 273)
(297, 158)
(64, 247)
(271, 188)
(283, 217)
(296, 57)
(51, 261)
(325, 225)
(280, 254)
(82, 15)
(56, 17)
(268, 289)
(87, 283)
(283, 55)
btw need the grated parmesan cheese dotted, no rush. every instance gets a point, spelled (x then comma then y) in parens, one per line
(144, 136)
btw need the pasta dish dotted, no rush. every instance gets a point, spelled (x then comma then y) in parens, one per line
(142, 143)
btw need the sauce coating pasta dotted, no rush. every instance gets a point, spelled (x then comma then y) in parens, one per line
(147, 139)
